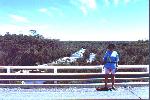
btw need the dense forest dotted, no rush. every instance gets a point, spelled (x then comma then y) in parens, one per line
(23, 50)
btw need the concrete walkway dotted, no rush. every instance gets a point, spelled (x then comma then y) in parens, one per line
(73, 93)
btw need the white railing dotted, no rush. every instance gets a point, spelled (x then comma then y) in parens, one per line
(55, 68)
(59, 76)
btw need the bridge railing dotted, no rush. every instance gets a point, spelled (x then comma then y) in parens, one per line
(70, 75)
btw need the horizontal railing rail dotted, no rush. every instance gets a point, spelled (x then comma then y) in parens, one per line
(55, 68)
(71, 75)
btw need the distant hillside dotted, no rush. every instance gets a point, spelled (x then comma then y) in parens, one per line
(28, 50)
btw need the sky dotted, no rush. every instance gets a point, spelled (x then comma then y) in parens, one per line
(77, 20)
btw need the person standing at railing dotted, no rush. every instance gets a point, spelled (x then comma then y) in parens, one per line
(110, 61)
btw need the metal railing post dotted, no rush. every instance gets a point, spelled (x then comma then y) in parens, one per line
(8, 69)
(55, 72)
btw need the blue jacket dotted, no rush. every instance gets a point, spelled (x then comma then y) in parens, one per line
(111, 59)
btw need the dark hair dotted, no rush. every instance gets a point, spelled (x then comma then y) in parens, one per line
(111, 46)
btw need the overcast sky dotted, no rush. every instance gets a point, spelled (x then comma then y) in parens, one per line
(79, 20)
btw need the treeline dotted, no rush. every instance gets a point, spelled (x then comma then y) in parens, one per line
(130, 52)
(26, 50)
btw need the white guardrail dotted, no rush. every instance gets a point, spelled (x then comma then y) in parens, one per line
(56, 75)
(72, 67)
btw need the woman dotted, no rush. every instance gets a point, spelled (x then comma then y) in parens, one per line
(110, 61)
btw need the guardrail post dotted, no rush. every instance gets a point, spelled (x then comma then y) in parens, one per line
(103, 70)
(147, 68)
(8, 69)
(55, 72)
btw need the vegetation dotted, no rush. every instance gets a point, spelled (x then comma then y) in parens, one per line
(26, 50)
